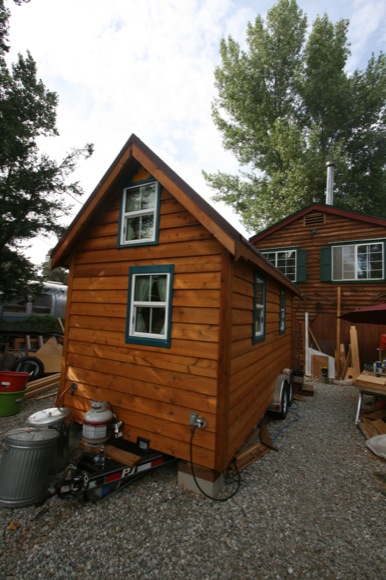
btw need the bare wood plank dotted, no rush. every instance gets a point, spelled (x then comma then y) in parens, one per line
(354, 353)
(380, 426)
(338, 329)
(346, 363)
(122, 456)
(314, 339)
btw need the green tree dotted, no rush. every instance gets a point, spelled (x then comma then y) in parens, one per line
(32, 185)
(286, 106)
(55, 275)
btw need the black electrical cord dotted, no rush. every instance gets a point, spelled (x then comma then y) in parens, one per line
(285, 425)
(195, 478)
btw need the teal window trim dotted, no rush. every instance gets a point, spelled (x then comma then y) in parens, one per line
(148, 304)
(296, 272)
(327, 262)
(137, 215)
(259, 308)
(282, 311)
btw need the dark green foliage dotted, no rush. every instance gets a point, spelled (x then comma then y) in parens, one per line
(286, 106)
(45, 325)
(32, 186)
(56, 275)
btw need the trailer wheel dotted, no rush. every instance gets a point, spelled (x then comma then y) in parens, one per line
(290, 394)
(31, 365)
(284, 403)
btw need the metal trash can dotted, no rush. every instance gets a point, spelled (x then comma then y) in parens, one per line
(24, 465)
(54, 419)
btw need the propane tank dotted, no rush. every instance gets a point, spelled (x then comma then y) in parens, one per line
(97, 423)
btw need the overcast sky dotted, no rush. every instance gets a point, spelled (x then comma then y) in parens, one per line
(146, 67)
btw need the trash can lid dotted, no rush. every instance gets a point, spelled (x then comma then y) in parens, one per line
(48, 417)
(30, 437)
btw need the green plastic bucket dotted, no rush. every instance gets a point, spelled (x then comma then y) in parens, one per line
(10, 403)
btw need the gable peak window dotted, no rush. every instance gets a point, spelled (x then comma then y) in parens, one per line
(139, 214)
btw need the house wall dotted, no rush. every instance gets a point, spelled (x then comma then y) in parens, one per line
(152, 390)
(212, 367)
(254, 366)
(312, 232)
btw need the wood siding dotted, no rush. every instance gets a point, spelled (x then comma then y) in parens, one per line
(212, 366)
(254, 366)
(311, 232)
(152, 390)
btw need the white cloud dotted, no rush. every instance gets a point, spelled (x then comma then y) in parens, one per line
(146, 67)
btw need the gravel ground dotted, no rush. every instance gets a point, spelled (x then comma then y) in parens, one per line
(314, 509)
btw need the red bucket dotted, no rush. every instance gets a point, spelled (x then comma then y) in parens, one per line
(10, 381)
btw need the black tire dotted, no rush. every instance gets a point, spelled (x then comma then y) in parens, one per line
(290, 394)
(284, 403)
(31, 365)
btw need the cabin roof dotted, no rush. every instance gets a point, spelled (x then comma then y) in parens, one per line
(320, 207)
(135, 153)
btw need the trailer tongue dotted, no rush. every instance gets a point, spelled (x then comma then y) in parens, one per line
(98, 476)
(29, 471)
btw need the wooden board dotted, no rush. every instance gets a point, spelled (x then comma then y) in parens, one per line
(380, 426)
(122, 456)
(371, 383)
(354, 370)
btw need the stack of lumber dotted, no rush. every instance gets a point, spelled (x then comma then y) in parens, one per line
(306, 390)
(43, 385)
(252, 449)
(373, 423)
(247, 456)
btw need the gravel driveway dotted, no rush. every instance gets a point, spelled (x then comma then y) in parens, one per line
(314, 509)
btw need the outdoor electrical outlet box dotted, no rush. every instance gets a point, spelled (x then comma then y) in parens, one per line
(193, 419)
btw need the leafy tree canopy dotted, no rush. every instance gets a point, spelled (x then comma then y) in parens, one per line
(286, 106)
(55, 275)
(32, 185)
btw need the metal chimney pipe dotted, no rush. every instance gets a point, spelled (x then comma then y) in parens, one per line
(330, 183)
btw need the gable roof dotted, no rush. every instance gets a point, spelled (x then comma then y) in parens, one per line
(136, 152)
(320, 207)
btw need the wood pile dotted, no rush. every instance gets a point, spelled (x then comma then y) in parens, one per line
(43, 385)
(373, 423)
(252, 449)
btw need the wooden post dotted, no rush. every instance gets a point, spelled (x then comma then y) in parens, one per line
(337, 348)
(306, 342)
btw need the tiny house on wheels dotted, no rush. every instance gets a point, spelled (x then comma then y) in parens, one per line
(172, 316)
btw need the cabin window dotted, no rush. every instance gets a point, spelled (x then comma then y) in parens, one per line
(259, 308)
(149, 308)
(282, 314)
(360, 261)
(292, 262)
(139, 214)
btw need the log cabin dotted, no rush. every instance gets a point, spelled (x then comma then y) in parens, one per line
(170, 311)
(337, 258)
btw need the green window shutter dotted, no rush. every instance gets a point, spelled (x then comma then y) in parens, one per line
(301, 270)
(325, 264)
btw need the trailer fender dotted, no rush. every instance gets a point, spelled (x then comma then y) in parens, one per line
(282, 396)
